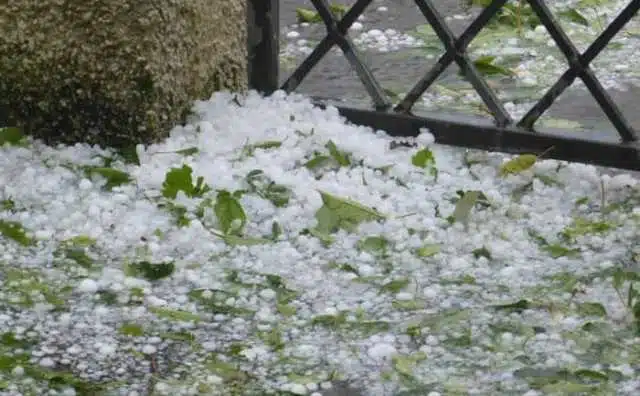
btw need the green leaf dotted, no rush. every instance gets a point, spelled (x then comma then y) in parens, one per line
(273, 339)
(275, 281)
(548, 180)
(317, 161)
(11, 136)
(373, 244)
(405, 364)
(344, 267)
(269, 144)
(407, 305)
(248, 150)
(338, 10)
(286, 309)
(339, 213)
(177, 179)
(542, 376)
(151, 271)
(324, 237)
(78, 255)
(107, 297)
(423, 159)
(591, 309)
(556, 250)
(518, 164)
(518, 306)
(539, 239)
(7, 204)
(584, 227)
(479, 3)
(276, 230)
(308, 16)
(259, 183)
(330, 321)
(14, 231)
(591, 375)
(462, 280)
(178, 212)
(114, 177)
(80, 241)
(227, 371)
(482, 252)
(394, 286)
(445, 320)
(340, 157)
(485, 66)
(463, 341)
(184, 335)
(174, 315)
(464, 206)
(574, 16)
(468, 280)
(581, 201)
(57, 379)
(311, 16)
(131, 329)
(428, 250)
(180, 179)
(186, 151)
(229, 210)
(9, 339)
(234, 240)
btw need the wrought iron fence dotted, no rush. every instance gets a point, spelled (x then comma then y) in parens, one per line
(503, 133)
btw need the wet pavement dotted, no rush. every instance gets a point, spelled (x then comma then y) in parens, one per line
(397, 71)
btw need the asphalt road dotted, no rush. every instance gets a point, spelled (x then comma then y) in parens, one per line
(398, 71)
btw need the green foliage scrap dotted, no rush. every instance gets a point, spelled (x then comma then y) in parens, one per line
(341, 214)
(113, 177)
(180, 179)
(425, 159)
(260, 184)
(249, 149)
(311, 16)
(230, 213)
(15, 231)
(334, 157)
(189, 151)
(556, 250)
(150, 271)
(465, 204)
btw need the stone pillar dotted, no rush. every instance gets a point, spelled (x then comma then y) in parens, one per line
(115, 72)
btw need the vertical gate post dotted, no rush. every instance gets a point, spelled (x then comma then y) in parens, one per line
(263, 34)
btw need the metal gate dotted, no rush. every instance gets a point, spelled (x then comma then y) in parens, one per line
(503, 134)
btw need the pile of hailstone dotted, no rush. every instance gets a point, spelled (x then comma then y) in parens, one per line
(270, 248)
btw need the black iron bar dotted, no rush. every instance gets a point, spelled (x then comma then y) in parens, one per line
(579, 67)
(456, 51)
(456, 130)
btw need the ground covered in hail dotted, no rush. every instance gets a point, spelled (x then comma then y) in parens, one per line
(269, 248)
